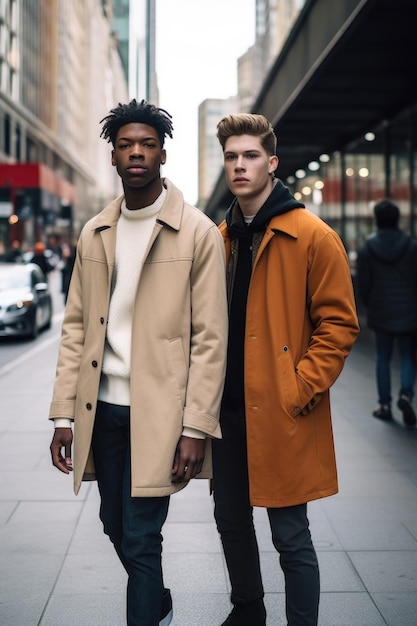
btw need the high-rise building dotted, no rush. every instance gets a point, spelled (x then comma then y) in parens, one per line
(274, 20)
(210, 157)
(60, 73)
(134, 24)
(246, 79)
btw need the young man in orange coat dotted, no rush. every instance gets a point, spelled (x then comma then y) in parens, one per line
(292, 324)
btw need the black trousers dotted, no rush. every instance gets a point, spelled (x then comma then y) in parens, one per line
(290, 536)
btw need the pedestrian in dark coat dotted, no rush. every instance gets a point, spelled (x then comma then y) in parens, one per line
(15, 253)
(68, 260)
(40, 259)
(387, 284)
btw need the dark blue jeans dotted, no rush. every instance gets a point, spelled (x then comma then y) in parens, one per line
(384, 343)
(290, 536)
(133, 525)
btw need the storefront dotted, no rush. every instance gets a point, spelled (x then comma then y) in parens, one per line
(343, 187)
(35, 204)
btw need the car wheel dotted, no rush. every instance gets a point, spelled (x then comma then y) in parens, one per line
(34, 332)
(48, 324)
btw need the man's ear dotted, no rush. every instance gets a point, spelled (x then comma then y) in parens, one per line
(273, 163)
(163, 157)
(113, 159)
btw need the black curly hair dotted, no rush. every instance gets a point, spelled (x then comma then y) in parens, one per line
(142, 113)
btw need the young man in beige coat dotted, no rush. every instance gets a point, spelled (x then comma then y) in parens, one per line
(142, 356)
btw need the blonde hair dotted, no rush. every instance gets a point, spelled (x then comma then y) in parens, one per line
(248, 124)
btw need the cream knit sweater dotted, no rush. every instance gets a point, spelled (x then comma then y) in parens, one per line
(134, 230)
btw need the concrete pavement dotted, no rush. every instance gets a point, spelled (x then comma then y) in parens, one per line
(57, 567)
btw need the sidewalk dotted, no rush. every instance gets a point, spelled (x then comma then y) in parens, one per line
(58, 569)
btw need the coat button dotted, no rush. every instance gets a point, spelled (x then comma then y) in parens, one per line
(101, 320)
(88, 406)
(94, 363)
(297, 410)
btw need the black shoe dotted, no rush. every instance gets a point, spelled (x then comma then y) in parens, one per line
(383, 412)
(409, 417)
(166, 610)
(252, 614)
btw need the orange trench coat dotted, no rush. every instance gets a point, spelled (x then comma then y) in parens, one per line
(301, 323)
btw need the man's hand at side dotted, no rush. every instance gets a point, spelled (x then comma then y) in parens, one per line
(188, 460)
(62, 439)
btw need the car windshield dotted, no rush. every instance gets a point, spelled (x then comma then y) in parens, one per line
(11, 279)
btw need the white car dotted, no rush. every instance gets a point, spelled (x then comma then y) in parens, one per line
(25, 300)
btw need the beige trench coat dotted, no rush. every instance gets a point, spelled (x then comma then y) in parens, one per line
(179, 339)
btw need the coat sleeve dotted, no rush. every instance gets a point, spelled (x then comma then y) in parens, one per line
(332, 311)
(209, 328)
(70, 349)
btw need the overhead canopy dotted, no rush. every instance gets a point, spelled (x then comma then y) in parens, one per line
(347, 67)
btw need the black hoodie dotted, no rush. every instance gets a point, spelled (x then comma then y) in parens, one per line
(245, 243)
(279, 201)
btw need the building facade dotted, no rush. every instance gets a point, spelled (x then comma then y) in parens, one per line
(60, 73)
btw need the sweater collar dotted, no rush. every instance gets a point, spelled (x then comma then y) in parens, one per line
(169, 214)
(144, 212)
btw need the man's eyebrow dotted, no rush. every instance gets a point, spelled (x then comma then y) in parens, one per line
(150, 138)
(244, 151)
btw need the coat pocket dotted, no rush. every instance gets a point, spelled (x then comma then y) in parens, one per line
(178, 367)
(288, 383)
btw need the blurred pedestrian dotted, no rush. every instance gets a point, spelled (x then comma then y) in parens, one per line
(142, 355)
(292, 324)
(387, 284)
(55, 246)
(40, 258)
(14, 255)
(67, 265)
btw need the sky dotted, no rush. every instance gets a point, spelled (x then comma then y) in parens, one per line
(198, 43)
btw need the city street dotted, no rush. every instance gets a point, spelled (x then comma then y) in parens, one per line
(268, 116)
(57, 567)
